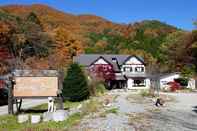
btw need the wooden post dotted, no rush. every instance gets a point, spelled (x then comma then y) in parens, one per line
(60, 88)
(18, 104)
(60, 102)
(10, 97)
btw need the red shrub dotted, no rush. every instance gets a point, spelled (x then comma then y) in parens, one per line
(174, 86)
(103, 71)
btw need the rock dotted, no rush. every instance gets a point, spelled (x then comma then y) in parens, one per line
(35, 119)
(23, 118)
(47, 116)
(60, 115)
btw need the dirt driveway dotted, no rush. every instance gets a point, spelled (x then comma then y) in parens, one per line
(137, 113)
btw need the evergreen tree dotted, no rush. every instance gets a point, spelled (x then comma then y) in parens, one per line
(33, 18)
(75, 84)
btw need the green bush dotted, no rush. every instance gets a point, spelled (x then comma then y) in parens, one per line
(182, 81)
(75, 86)
(100, 89)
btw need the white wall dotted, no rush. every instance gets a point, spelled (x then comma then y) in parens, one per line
(101, 61)
(191, 83)
(147, 83)
(130, 84)
(133, 60)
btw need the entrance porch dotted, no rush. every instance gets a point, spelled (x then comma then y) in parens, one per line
(138, 83)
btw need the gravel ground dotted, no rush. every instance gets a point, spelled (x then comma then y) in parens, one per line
(137, 114)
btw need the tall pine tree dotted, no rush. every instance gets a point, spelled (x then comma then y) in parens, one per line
(75, 84)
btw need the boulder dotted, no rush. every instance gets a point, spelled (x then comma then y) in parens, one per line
(23, 118)
(60, 115)
(35, 119)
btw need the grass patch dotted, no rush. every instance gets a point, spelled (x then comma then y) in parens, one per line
(74, 119)
(9, 123)
(91, 106)
(146, 93)
(112, 110)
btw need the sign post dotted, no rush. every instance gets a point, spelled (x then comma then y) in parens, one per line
(9, 84)
(35, 84)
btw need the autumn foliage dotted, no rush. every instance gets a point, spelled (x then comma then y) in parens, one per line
(102, 72)
(38, 36)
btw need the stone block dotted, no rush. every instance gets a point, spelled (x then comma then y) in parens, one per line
(23, 118)
(60, 115)
(35, 119)
(47, 116)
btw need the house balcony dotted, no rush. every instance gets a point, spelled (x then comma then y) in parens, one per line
(135, 74)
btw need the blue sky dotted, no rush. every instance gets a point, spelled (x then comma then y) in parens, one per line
(180, 13)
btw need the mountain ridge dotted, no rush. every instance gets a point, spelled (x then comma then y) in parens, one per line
(84, 33)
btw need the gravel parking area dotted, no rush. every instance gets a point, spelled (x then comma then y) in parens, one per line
(136, 113)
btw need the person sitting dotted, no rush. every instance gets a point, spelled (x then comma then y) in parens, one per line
(159, 102)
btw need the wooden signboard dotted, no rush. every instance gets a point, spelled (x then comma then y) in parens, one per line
(36, 83)
(35, 86)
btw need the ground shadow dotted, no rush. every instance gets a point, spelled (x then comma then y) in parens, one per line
(35, 110)
(32, 111)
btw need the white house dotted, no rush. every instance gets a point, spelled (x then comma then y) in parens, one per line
(130, 71)
(134, 69)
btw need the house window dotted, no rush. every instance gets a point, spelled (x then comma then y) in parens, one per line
(139, 83)
(139, 69)
(127, 69)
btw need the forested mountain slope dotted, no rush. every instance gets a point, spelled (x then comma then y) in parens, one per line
(38, 36)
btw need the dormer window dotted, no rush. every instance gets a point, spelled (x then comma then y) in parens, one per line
(139, 69)
(127, 69)
(114, 59)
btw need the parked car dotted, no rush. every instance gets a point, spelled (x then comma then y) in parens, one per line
(3, 96)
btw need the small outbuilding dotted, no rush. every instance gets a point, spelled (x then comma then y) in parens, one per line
(171, 77)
